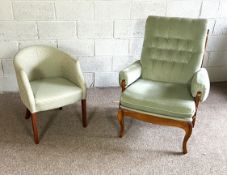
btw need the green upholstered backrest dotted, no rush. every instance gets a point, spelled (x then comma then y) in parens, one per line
(173, 48)
(40, 61)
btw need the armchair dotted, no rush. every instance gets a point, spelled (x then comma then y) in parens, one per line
(48, 79)
(167, 84)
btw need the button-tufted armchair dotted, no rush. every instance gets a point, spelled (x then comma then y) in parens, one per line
(167, 84)
(48, 79)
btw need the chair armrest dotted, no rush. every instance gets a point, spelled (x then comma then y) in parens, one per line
(200, 83)
(25, 89)
(130, 74)
(72, 71)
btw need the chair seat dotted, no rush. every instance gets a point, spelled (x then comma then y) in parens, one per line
(54, 92)
(168, 99)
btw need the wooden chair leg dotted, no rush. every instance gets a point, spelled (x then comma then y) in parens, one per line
(193, 121)
(28, 114)
(188, 132)
(120, 117)
(84, 113)
(34, 126)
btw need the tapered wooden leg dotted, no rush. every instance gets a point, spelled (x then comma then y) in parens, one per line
(188, 132)
(34, 126)
(84, 113)
(120, 117)
(28, 114)
(193, 121)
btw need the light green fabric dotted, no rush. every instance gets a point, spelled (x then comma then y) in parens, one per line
(173, 48)
(200, 83)
(50, 93)
(170, 99)
(44, 62)
(166, 80)
(131, 73)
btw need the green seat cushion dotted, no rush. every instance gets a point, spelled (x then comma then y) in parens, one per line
(169, 99)
(52, 93)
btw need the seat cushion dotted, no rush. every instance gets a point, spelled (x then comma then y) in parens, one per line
(52, 93)
(168, 99)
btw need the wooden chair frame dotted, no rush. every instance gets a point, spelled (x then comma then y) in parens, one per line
(33, 117)
(185, 125)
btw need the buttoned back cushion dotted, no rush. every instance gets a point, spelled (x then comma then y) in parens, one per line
(173, 48)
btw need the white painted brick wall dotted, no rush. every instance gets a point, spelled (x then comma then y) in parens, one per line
(14, 31)
(74, 10)
(111, 47)
(1, 69)
(184, 8)
(111, 10)
(6, 12)
(8, 49)
(77, 47)
(95, 29)
(129, 28)
(105, 35)
(56, 30)
(33, 10)
(96, 64)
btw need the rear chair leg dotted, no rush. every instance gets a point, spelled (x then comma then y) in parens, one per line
(34, 126)
(193, 121)
(28, 114)
(84, 113)
(120, 117)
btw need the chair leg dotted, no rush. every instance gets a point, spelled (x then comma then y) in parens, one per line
(35, 130)
(120, 117)
(193, 121)
(188, 132)
(28, 114)
(84, 113)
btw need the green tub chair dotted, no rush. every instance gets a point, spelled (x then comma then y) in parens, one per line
(167, 84)
(48, 78)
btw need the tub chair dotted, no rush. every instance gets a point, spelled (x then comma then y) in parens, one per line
(48, 79)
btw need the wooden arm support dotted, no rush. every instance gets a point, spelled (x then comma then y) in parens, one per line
(197, 99)
(123, 85)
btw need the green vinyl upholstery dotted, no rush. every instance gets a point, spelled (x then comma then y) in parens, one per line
(169, 99)
(131, 73)
(169, 73)
(48, 78)
(50, 93)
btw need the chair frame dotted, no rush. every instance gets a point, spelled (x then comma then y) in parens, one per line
(185, 125)
(33, 117)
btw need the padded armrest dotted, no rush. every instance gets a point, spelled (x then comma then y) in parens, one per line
(200, 83)
(131, 73)
(72, 71)
(25, 89)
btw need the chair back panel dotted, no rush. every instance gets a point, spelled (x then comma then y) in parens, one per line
(40, 62)
(173, 48)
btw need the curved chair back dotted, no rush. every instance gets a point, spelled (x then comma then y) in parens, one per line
(40, 61)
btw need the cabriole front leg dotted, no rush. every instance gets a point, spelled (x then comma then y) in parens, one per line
(188, 132)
